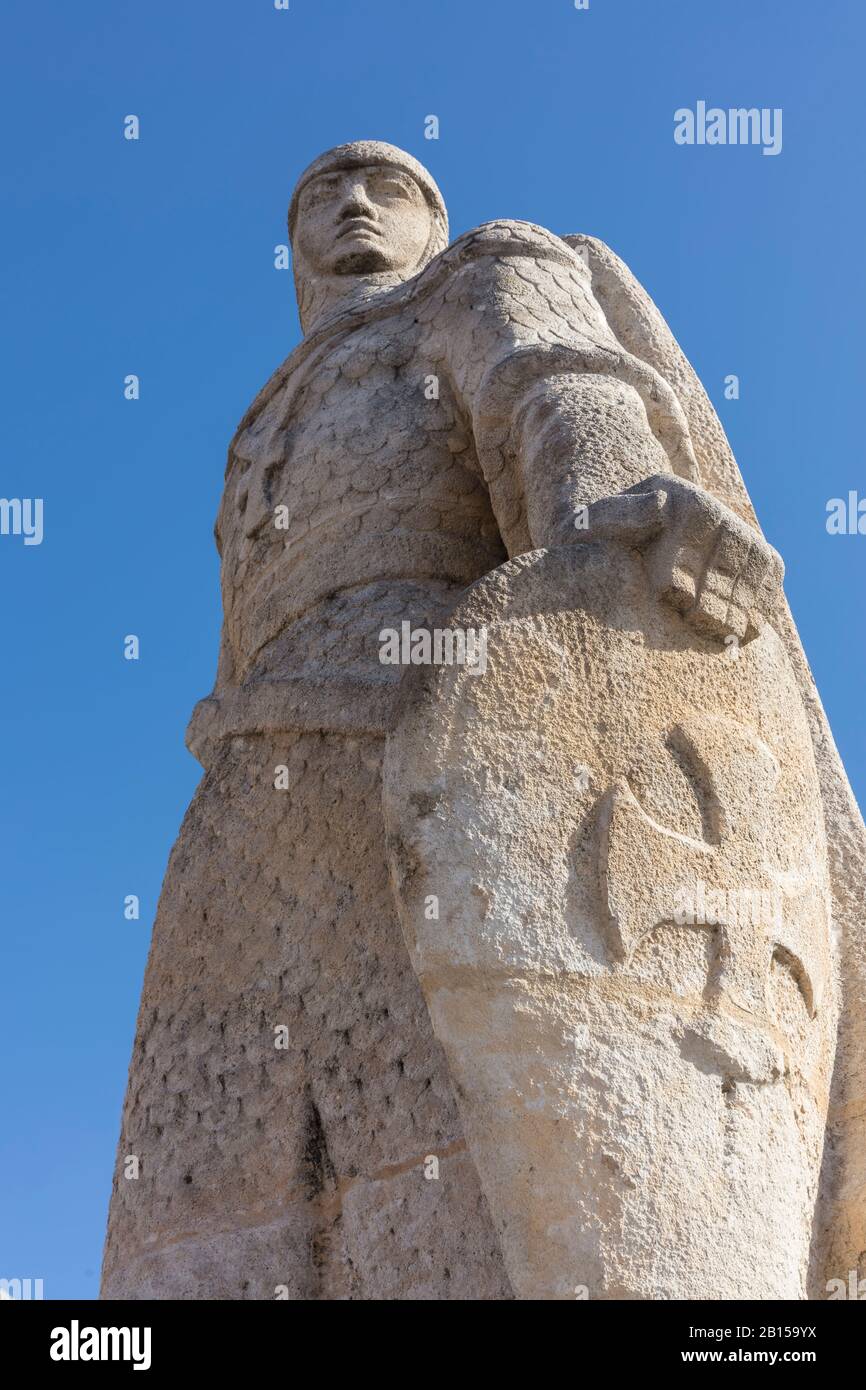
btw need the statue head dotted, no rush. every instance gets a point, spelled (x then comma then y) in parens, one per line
(362, 215)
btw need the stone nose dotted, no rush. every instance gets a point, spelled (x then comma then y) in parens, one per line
(356, 203)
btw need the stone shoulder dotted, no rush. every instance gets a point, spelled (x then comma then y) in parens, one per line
(499, 239)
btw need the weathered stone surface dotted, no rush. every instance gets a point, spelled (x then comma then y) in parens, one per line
(645, 1098)
(499, 432)
(300, 1167)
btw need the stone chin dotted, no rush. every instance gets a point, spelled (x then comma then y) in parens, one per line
(362, 259)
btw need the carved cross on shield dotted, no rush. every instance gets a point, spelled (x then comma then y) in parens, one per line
(648, 871)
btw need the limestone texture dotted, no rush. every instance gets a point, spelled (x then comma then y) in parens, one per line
(537, 980)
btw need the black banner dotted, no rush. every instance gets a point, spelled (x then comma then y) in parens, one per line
(155, 1338)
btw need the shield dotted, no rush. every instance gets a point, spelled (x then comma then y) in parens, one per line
(609, 859)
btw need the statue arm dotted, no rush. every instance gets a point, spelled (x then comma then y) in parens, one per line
(561, 414)
(580, 439)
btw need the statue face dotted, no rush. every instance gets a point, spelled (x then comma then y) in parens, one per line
(359, 221)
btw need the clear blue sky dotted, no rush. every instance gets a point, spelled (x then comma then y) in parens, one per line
(156, 258)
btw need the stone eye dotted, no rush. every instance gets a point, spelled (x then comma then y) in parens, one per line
(394, 188)
(319, 194)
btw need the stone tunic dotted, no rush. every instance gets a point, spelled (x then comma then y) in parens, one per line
(414, 444)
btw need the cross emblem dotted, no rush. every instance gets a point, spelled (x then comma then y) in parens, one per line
(259, 450)
(646, 870)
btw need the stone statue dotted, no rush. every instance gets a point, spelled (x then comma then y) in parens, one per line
(534, 979)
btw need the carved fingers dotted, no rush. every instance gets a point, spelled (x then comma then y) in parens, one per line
(739, 577)
(715, 568)
(705, 561)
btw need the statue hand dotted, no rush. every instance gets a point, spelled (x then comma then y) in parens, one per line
(701, 558)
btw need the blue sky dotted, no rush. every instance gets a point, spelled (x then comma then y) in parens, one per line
(156, 257)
